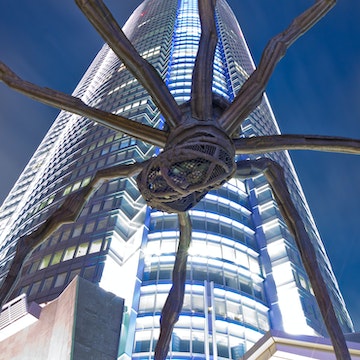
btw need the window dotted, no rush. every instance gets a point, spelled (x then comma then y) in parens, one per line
(142, 346)
(73, 274)
(65, 236)
(222, 350)
(216, 277)
(165, 274)
(76, 186)
(77, 230)
(231, 280)
(57, 257)
(198, 346)
(95, 246)
(108, 204)
(233, 309)
(160, 301)
(34, 267)
(89, 272)
(82, 249)
(45, 262)
(35, 288)
(47, 284)
(228, 253)
(89, 227)
(101, 224)
(250, 316)
(199, 273)
(67, 190)
(146, 303)
(60, 279)
(69, 253)
(220, 307)
(95, 208)
(213, 227)
(245, 285)
(303, 282)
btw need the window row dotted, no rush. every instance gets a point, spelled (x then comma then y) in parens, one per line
(50, 284)
(226, 208)
(196, 273)
(194, 303)
(211, 249)
(206, 225)
(68, 232)
(69, 253)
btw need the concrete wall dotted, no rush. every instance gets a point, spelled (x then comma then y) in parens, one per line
(83, 323)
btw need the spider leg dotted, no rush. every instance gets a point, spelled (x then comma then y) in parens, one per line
(271, 143)
(75, 105)
(103, 21)
(201, 91)
(275, 176)
(174, 302)
(68, 212)
(250, 94)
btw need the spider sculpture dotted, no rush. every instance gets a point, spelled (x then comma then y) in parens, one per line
(198, 151)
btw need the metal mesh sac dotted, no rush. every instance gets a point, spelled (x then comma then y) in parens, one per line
(181, 175)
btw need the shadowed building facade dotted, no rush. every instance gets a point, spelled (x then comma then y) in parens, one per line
(82, 323)
(244, 274)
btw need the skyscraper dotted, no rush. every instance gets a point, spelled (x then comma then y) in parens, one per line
(244, 273)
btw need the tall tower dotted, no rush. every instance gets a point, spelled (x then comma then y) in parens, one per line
(244, 273)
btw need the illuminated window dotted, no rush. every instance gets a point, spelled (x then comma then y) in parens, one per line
(57, 257)
(147, 303)
(250, 315)
(95, 246)
(82, 249)
(45, 262)
(76, 186)
(69, 253)
(302, 281)
(67, 190)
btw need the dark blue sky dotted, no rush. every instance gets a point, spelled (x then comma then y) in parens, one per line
(314, 90)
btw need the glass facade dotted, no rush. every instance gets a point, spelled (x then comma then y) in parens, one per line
(244, 272)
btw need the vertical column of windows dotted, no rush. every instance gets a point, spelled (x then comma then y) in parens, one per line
(100, 148)
(262, 122)
(186, 40)
(185, 44)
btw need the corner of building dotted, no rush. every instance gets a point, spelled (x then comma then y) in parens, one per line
(82, 324)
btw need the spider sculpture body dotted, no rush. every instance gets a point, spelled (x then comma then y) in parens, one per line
(198, 157)
(199, 151)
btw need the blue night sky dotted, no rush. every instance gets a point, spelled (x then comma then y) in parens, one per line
(315, 90)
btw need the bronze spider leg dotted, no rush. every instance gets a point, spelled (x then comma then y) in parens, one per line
(275, 176)
(250, 94)
(66, 213)
(174, 302)
(201, 89)
(271, 143)
(75, 105)
(103, 21)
